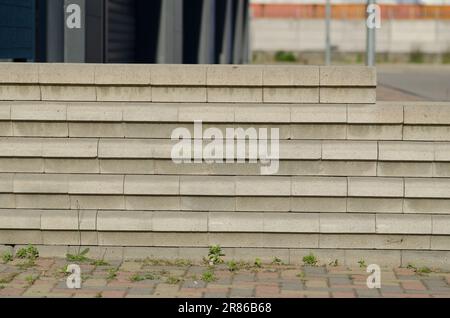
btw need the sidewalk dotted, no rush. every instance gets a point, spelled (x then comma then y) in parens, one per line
(156, 278)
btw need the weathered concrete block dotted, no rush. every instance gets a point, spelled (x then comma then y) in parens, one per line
(405, 169)
(425, 133)
(180, 221)
(261, 114)
(291, 95)
(406, 151)
(5, 110)
(122, 74)
(404, 224)
(41, 129)
(319, 186)
(442, 151)
(207, 203)
(315, 131)
(101, 130)
(6, 129)
(347, 223)
(348, 76)
(234, 75)
(441, 206)
(68, 93)
(153, 203)
(96, 184)
(380, 113)
(236, 222)
(280, 75)
(347, 168)
(40, 183)
(441, 224)
(343, 95)
(61, 238)
(427, 113)
(69, 148)
(53, 73)
(375, 187)
(263, 186)
(124, 93)
(180, 94)
(118, 221)
(42, 111)
(151, 113)
(178, 75)
(300, 204)
(374, 241)
(69, 220)
(374, 205)
(146, 130)
(236, 240)
(157, 185)
(440, 243)
(207, 185)
(235, 95)
(275, 240)
(71, 166)
(291, 222)
(112, 166)
(378, 132)
(7, 201)
(317, 113)
(94, 202)
(19, 73)
(42, 201)
(215, 114)
(126, 148)
(441, 169)
(294, 149)
(20, 92)
(21, 165)
(350, 150)
(262, 204)
(16, 237)
(94, 112)
(181, 239)
(20, 219)
(427, 188)
(20, 147)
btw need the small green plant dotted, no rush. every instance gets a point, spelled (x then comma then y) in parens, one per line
(7, 257)
(112, 274)
(423, 270)
(80, 257)
(310, 260)
(277, 261)
(283, 56)
(215, 255)
(258, 263)
(334, 263)
(140, 277)
(30, 252)
(183, 262)
(208, 276)
(2, 287)
(411, 266)
(99, 262)
(232, 266)
(362, 263)
(31, 279)
(173, 280)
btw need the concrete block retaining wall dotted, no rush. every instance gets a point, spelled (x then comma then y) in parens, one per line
(85, 160)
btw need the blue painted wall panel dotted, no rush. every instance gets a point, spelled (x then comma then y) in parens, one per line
(17, 29)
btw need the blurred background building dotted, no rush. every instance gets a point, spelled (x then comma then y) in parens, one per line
(126, 31)
(411, 30)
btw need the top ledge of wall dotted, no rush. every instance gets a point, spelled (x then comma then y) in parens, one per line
(187, 75)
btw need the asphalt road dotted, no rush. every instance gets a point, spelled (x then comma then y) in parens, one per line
(414, 82)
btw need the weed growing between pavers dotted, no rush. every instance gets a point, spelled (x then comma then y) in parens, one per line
(7, 257)
(80, 257)
(208, 276)
(215, 255)
(310, 260)
(30, 252)
(421, 270)
(362, 263)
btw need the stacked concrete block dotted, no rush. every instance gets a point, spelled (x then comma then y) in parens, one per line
(87, 162)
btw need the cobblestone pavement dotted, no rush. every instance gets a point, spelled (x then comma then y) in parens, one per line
(155, 278)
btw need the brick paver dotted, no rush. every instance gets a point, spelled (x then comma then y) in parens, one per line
(153, 278)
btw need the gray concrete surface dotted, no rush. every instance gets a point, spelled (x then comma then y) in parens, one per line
(414, 82)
